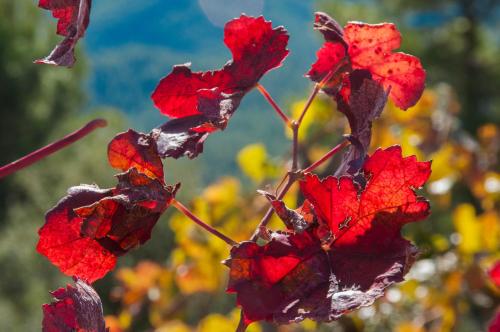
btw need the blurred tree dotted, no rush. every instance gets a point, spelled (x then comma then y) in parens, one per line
(34, 98)
(454, 39)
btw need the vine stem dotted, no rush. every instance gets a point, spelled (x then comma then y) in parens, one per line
(179, 206)
(271, 101)
(242, 326)
(294, 173)
(327, 156)
(51, 148)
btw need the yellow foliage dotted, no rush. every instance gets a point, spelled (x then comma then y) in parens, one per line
(319, 114)
(254, 162)
(477, 234)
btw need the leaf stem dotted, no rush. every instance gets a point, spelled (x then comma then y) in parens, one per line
(327, 156)
(271, 101)
(51, 148)
(179, 206)
(242, 326)
(318, 87)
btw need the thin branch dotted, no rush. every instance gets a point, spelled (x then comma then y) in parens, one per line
(295, 146)
(179, 206)
(327, 156)
(242, 326)
(271, 101)
(318, 87)
(51, 148)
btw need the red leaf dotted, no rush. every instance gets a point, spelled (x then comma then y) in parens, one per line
(291, 278)
(346, 259)
(370, 47)
(388, 201)
(494, 274)
(73, 20)
(494, 325)
(268, 278)
(214, 96)
(87, 230)
(76, 308)
(133, 149)
(362, 100)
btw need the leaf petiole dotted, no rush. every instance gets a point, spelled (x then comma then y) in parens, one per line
(327, 156)
(271, 101)
(179, 206)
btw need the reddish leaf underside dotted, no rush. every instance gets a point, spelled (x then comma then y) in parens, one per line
(75, 308)
(323, 275)
(73, 19)
(209, 99)
(137, 150)
(370, 47)
(89, 228)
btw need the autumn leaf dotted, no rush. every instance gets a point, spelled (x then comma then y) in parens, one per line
(89, 228)
(137, 150)
(320, 274)
(370, 47)
(209, 99)
(75, 308)
(73, 20)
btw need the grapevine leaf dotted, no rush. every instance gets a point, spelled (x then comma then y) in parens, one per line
(362, 100)
(388, 201)
(370, 47)
(209, 99)
(89, 228)
(73, 19)
(322, 275)
(75, 308)
(133, 149)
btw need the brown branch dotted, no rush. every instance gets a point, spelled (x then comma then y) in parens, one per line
(179, 206)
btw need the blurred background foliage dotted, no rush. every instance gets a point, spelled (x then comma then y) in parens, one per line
(176, 282)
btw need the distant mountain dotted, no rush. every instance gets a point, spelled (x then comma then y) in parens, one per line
(132, 44)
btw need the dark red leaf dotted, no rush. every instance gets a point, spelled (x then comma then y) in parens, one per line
(331, 30)
(137, 150)
(210, 98)
(73, 20)
(87, 230)
(495, 323)
(77, 308)
(362, 100)
(370, 47)
(291, 278)
(182, 137)
(346, 259)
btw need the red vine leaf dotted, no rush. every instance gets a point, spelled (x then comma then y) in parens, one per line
(75, 308)
(494, 325)
(346, 259)
(362, 100)
(388, 201)
(370, 47)
(209, 99)
(89, 228)
(137, 150)
(73, 20)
